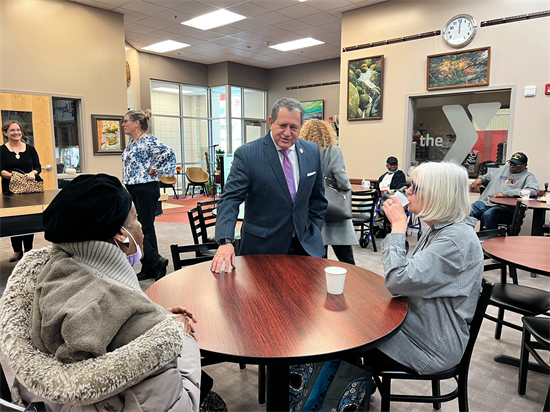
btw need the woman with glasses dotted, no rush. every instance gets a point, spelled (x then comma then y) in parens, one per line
(143, 160)
(441, 279)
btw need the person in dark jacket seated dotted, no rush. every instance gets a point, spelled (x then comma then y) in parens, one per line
(394, 178)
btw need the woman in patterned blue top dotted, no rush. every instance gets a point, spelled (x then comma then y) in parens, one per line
(143, 160)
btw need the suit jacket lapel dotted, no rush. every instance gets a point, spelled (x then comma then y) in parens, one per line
(275, 162)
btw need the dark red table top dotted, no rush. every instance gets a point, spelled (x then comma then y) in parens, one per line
(526, 252)
(511, 201)
(275, 307)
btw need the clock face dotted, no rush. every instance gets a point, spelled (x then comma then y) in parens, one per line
(460, 30)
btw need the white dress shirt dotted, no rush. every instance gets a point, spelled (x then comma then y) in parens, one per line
(293, 160)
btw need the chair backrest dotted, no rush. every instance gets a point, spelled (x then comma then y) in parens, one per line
(517, 219)
(195, 224)
(197, 249)
(364, 204)
(206, 217)
(475, 326)
(484, 235)
(196, 174)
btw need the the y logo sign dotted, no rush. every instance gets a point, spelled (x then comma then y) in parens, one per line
(466, 135)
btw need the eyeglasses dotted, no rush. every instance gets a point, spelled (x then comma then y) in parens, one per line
(415, 187)
(126, 121)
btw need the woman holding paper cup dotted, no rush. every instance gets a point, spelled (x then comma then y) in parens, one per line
(441, 279)
(340, 235)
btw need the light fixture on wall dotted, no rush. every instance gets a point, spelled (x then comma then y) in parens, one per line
(215, 19)
(165, 46)
(297, 44)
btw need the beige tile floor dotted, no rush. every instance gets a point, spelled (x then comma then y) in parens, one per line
(492, 386)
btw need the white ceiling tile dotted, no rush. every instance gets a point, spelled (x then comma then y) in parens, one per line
(274, 4)
(148, 39)
(252, 47)
(228, 41)
(298, 11)
(327, 49)
(209, 46)
(226, 30)
(223, 3)
(182, 30)
(329, 38)
(310, 53)
(271, 18)
(248, 24)
(335, 27)
(269, 31)
(97, 4)
(109, 3)
(312, 32)
(128, 35)
(130, 16)
(248, 9)
(174, 16)
(196, 9)
(205, 35)
(288, 36)
(138, 28)
(155, 23)
(186, 39)
(169, 3)
(319, 19)
(326, 5)
(143, 7)
(248, 36)
(293, 25)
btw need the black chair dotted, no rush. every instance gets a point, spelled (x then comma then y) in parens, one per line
(484, 235)
(538, 328)
(207, 219)
(459, 372)
(198, 250)
(517, 219)
(363, 205)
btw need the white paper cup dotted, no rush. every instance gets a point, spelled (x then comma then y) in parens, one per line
(525, 194)
(402, 198)
(336, 277)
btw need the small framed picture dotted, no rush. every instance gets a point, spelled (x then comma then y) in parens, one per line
(315, 109)
(108, 134)
(465, 68)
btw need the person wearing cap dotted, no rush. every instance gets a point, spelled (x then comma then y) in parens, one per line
(76, 328)
(394, 178)
(506, 181)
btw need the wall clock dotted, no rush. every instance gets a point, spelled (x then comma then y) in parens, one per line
(460, 30)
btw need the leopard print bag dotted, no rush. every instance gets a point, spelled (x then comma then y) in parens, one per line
(20, 184)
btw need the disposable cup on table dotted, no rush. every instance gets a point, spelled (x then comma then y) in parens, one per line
(525, 194)
(336, 277)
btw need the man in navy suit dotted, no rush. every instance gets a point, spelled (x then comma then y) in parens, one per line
(280, 179)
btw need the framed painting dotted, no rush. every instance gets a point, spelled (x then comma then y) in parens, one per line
(315, 109)
(365, 88)
(466, 68)
(108, 134)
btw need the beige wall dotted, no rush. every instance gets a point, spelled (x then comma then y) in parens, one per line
(133, 91)
(65, 49)
(520, 56)
(308, 73)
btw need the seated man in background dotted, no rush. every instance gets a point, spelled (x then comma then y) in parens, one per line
(506, 181)
(394, 178)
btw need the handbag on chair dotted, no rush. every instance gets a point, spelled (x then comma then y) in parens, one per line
(339, 202)
(20, 184)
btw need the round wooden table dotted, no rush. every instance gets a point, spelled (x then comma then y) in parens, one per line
(361, 189)
(539, 211)
(531, 253)
(274, 310)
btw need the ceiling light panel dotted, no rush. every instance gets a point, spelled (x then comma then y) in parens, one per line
(165, 46)
(215, 19)
(297, 44)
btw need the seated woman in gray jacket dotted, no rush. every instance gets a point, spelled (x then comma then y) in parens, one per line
(77, 332)
(442, 278)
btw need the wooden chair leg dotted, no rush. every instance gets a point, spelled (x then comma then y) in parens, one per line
(523, 363)
(261, 384)
(436, 391)
(498, 327)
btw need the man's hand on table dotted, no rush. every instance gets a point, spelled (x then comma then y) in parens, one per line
(225, 253)
(476, 184)
(499, 195)
(185, 317)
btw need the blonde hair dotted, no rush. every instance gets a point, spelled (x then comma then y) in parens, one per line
(142, 116)
(442, 191)
(318, 132)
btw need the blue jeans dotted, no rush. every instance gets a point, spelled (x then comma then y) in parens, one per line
(491, 216)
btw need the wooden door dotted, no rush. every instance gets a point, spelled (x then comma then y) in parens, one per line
(42, 128)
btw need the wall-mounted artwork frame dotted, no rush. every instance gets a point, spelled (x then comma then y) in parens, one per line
(365, 88)
(315, 109)
(466, 68)
(107, 134)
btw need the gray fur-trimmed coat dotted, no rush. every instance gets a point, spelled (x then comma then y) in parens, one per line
(157, 371)
(337, 233)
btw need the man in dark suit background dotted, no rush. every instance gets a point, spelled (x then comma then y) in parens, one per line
(280, 179)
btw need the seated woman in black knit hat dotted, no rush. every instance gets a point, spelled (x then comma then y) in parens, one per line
(75, 327)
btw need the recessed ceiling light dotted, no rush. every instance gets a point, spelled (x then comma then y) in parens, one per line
(301, 1)
(214, 19)
(297, 44)
(165, 46)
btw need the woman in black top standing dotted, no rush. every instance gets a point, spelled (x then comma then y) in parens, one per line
(16, 154)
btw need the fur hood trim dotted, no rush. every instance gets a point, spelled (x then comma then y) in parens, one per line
(84, 382)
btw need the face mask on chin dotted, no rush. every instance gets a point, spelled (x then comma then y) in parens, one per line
(391, 173)
(136, 257)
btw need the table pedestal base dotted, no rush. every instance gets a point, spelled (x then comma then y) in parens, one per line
(278, 378)
(508, 360)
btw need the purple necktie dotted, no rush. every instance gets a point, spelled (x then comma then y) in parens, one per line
(289, 173)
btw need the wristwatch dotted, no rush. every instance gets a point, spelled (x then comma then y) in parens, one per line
(224, 241)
